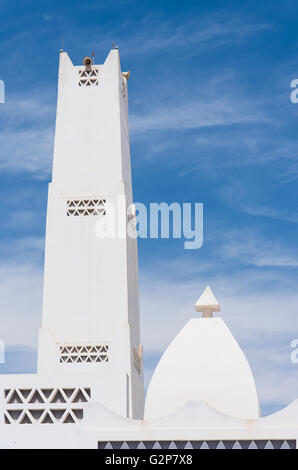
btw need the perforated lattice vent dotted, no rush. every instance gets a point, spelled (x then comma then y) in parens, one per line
(137, 361)
(88, 78)
(123, 89)
(50, 416)
(131, 219)
(75, 354)
(240, 444)
(80, 207)
(45, 405)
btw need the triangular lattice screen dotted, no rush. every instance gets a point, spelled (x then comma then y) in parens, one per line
(123, 89)
(45, 405)
(77, 207)
(137, 361)
(88, 78)
(84, 353)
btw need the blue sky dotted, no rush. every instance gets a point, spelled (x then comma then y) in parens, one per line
(211, 121)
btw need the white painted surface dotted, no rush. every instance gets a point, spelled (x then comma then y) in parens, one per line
(193, 422)
(207, 303)
(90, 284)
(203, 363)
(110, 391)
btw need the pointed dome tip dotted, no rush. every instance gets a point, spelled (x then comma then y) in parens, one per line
(207, 303)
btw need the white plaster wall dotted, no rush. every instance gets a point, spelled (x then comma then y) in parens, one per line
(87, 151)
(203, 363)
(90, 284)
(195, 421)
(108, 390)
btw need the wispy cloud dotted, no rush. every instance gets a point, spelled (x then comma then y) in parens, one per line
(27, 135)
(154, 33)
(196, 114)
(27, 150)
(249, 248)
(20, 303)
(22, 251)
(21, 279)
(255, 203)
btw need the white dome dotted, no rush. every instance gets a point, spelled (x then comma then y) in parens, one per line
(203, 363)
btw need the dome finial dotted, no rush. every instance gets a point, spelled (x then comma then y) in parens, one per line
(207, 303)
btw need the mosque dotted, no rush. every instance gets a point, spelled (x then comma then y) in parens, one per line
(90, 362)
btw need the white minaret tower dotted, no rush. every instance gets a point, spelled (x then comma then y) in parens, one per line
(90, 322)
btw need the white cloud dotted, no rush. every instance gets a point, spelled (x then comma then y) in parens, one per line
(27, 136)
(244, 304)
(21, 280)
(20, 304)
(22, 251)
(155, 33)
(249, 248)
(27, 150)
(197, 113)
(265, 211)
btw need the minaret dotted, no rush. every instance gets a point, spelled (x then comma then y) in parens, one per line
(90, 321)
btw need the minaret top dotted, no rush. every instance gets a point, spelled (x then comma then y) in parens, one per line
(207, 303)
(91, 151)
